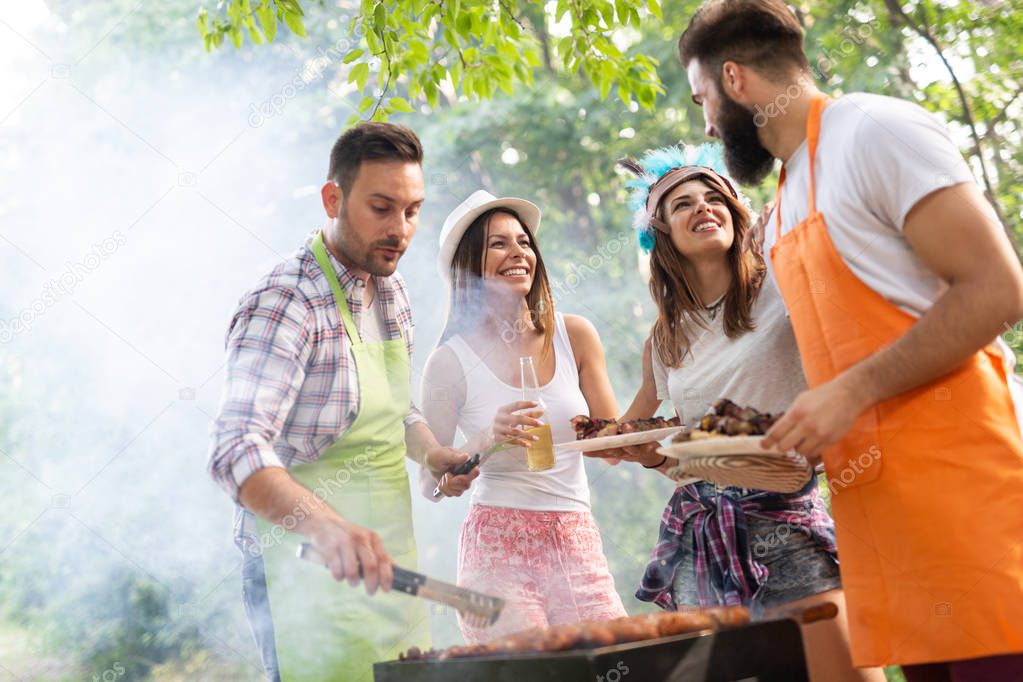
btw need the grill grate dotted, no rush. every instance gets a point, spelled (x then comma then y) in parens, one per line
(768, 651)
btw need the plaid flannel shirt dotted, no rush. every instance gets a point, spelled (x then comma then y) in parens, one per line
(726, 572)
(291, 388)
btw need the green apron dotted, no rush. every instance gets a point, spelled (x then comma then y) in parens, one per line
(327, 630)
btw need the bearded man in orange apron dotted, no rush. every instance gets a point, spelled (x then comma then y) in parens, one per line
(316, 420)
(899, 279)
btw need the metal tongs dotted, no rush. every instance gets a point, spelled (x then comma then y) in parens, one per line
(476, 460)
(478, 609)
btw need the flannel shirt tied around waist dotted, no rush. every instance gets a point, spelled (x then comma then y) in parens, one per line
(726, 572)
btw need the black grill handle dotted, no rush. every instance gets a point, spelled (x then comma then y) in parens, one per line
(405, 580)
(467, 466)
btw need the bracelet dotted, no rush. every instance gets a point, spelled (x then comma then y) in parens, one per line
(659, 464)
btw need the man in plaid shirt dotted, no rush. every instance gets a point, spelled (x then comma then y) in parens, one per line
(293, 389)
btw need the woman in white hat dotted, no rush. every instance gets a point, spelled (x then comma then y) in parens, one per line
(529, 536)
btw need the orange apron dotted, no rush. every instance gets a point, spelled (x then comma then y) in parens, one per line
(927, 488)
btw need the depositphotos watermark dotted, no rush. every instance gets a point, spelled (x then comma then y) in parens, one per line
(310, 72)
(325, 487)
(776, 538)
(856, 467)
(111, 674)
(580, 272)
(614, 674)
(853, 37)
(54, 290)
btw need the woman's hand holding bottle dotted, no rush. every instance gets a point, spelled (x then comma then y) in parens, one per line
(511, 419)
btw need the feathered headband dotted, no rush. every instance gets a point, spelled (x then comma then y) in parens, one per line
(662, 170)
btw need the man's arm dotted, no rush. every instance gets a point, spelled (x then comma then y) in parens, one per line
(957, 235)
(267, 350)
(272, 494)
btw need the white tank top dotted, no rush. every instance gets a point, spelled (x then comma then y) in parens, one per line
(504, 480)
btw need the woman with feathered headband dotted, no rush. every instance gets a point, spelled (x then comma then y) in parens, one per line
(722, 332)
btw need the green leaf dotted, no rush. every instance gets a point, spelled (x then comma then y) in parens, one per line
(624, 92)
(622, 9)
(506, 85)
(432, 94)
(607, 47)
(366, 103)
(359, 75)
(201, 23)
(455, 72)
(254, 34)
(400, 104)
(605, 78)
(561, 9)
(352, 56)
(294, 22)
(646, 97)
(418, 51)
(379, 18)
(236, 36)
(565, 46)
(655, 8)
(267, 21)
(463, 25)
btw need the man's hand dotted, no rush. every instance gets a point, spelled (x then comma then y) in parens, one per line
(272, 494)
(346, 546)
(453, 486)
(440, 461)
(819, 418)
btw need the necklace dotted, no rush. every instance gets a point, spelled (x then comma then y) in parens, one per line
(713, 308)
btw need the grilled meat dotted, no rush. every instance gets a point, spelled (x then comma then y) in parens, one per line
(728, 419)
(587, 427)
(593, 634)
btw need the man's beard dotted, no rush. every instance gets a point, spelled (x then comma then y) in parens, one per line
(366, 258)
(747, 159)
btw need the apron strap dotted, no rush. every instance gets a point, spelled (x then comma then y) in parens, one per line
(813, 133)
(320, 252)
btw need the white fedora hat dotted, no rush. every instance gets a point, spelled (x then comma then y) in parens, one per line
(478, 203)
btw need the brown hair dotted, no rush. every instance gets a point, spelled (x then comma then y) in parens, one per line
(467, 309)
(678, 305)
(369, 142)
(763, 34)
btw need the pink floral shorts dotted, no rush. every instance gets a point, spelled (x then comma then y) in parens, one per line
(549, 567)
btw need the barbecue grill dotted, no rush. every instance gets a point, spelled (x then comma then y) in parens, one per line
(766, 651)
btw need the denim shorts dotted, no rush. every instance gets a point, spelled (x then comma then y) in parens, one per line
(797, 566)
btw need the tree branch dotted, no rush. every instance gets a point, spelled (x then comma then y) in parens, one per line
(899, 16)
(1003, 114)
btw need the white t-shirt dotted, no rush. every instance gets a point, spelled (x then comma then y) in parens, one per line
(876, 159)
(372, 327)
(504, 479)
(759, 369)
